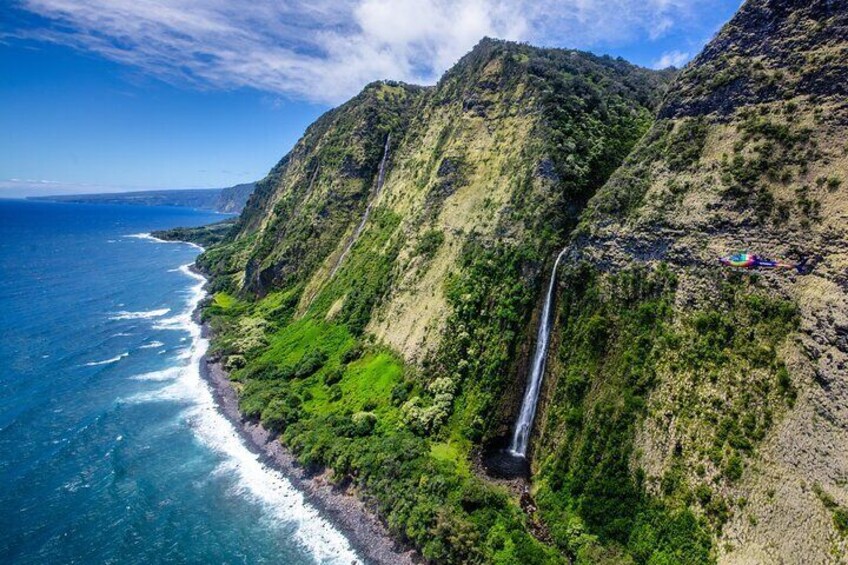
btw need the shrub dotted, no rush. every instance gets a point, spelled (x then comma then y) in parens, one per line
(352, 354)
(687, 144)
(235, 362)
(333, 376)
(281, 412)
(363, 423)
(840, 520)
(429, 244)
(334, 393)
(400, 392)
(734, 468)
(310, 363)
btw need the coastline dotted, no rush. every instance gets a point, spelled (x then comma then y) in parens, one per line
(366, 533)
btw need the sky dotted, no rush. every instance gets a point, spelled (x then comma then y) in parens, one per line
(113, 95)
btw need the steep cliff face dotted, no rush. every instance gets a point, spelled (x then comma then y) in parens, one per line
(713, 398)
(303, 208)
(229, 200)
(233, 199)
(507, 147)
(376, 299)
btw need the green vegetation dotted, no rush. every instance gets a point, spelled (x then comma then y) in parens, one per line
(612, 337)
(466, 378)
(618, 333)
(840, 513)
(315, 196)
(205, 236)
(769, 151)
(429, 244)
(365, 275)
(403, 426)
(337, 403)
(687, 144)
(403, 434)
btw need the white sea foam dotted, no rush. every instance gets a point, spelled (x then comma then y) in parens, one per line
(177, 322)
(254, 479)
(124, 315)
(151, 345)
(145, 235)
(150, 237)
(168, 374)
(107, 361)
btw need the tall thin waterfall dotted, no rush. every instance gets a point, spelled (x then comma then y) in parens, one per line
(524, 423)
(381, 176)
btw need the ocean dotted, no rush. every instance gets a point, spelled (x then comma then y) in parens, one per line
(111, 446)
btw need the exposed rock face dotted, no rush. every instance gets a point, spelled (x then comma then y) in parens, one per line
(770, 51)
(233, 199)
(749, 152)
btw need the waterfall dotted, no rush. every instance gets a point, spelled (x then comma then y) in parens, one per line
(381, 176)
(524, 423)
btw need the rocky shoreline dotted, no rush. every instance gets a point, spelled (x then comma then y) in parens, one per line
(366, 533)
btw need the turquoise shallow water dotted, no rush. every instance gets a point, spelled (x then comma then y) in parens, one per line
(111, 449)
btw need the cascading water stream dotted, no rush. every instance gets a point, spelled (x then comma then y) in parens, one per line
(381, 175)
(524, 423)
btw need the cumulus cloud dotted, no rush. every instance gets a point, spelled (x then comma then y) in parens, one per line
(326, 50)
(672, 59)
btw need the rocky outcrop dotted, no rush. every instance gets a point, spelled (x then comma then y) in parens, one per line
(770, 51)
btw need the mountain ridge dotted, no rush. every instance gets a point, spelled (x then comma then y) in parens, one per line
(377, 302)
(485, 174)
(230, 200)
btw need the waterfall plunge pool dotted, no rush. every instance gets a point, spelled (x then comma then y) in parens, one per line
(501, 463)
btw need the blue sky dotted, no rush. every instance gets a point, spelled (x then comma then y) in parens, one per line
(104, 95)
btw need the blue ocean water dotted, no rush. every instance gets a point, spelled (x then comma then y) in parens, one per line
(111, 449)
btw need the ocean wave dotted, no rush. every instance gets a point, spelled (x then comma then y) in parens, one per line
(168, 374)
(151, 345)
(150, 237)
(253, 479)
(107, 361)
(124, 315)
(145, 235)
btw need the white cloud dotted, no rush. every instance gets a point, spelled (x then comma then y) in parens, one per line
(326, 50)
(672, 59)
